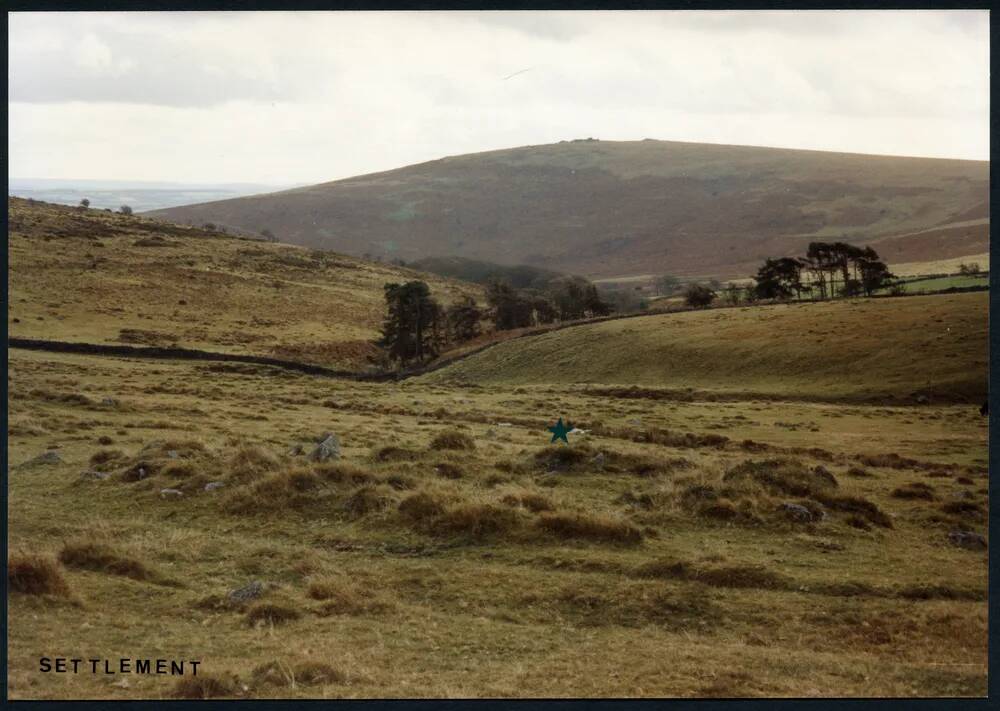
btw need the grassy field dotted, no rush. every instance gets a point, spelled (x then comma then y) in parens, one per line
(100, 277)
(959, 281)
(858, 349)
(453, 552)
(778, 501)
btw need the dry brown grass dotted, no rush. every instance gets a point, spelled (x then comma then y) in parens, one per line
(205, 686)
(272, 613)
(590, 528)
(33, 574)
(453, 440)
(102, 558)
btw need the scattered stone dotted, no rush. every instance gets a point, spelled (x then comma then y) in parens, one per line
(213, 485)
(968, 540)
(173, 453)
(635, 421)
(328, 448)
(504, 424)
(296, 450)
(171, 493)
(797, 512)
(91, 474)
(49, 457)
(248, 592)
(599, 459)
(109, 401)
(922, 399)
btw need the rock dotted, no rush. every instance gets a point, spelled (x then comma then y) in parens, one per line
(248, 592)
(109, 401)
(213, 485)
(922, 399)
(296, 450)
(635, 421)
(328, 448)
(91, 474)
(173, 453)
(504, 424)
(797, 512)
(599, 459)
(49, 457)
(171, 493)
(968, 540)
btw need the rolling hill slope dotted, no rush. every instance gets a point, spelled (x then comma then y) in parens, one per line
(100, 277)
(872, 348)
(603, 208)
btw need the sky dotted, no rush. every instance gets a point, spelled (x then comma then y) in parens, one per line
(307, 97)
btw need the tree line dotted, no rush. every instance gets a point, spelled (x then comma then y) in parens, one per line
(417, 328)
(831, 269)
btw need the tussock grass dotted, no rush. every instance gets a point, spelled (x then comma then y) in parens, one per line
(858, 506)
(783, 476)
(475, 521)
(204, 686)
(289, 489)
(306, 673)
(102, 558)
(736, 576)
(421, 507)
(590, 528)
(273, 613)
(453, 440)
(369, 499)
(35, 575)
(339, 597)
(249, 462)
(396, 454)
(914, 490)
(531, 501)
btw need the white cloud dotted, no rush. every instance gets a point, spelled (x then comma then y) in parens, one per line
(295, 97)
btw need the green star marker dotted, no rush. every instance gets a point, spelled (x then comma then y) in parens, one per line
(559, 431)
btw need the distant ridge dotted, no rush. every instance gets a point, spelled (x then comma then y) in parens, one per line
(602, 208)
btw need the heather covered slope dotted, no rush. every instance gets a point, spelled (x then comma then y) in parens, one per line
(98, 277)
(604, 208)
(874, 348)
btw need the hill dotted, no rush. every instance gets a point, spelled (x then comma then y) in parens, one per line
(100, 277)
(873, 348)
(519, 276)
(604, 209)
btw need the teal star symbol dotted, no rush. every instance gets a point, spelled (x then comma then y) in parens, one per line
(559, 431)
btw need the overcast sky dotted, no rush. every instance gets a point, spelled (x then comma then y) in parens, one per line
(276, 97)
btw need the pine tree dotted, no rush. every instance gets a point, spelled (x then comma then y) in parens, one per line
(412, 328)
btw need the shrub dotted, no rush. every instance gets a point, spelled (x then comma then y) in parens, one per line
(35, 575)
